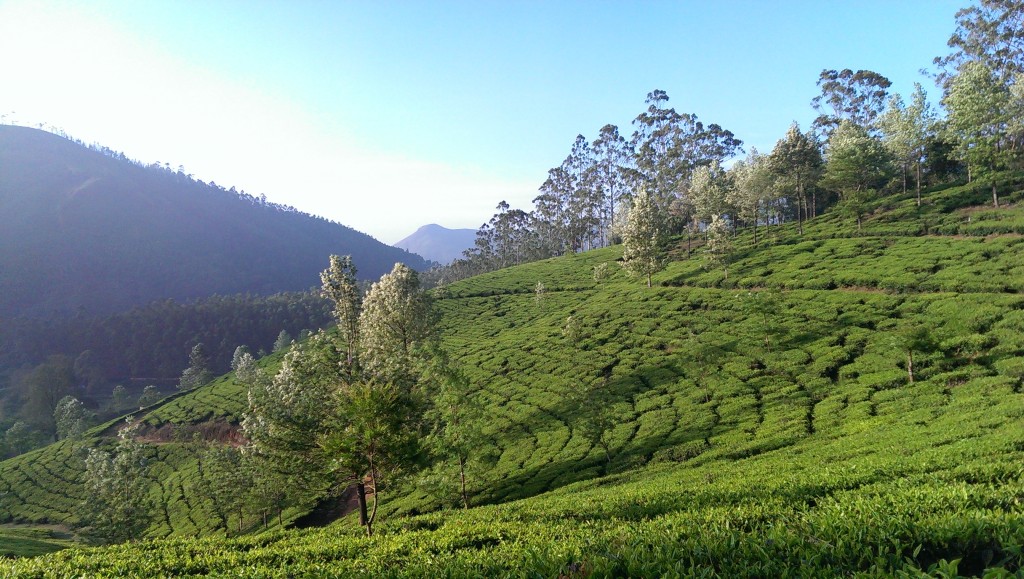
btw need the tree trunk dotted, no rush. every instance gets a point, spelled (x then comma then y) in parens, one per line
(755, 229)
(360, 495)
(648, 279)
(919, 182)
(910, 365)
(995, 195)
(376, 499)
(462, 481)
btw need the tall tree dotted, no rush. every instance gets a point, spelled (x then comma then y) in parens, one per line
(612, 159)
(224, 481)
(858, 165)
(982, 113)
(858, 97)
(719, 247)
(752, 188)
(118, 508)
(669, 146)
(990, 32)
(340, 286)
(395, 321)
(906, 130)
(71, 417)
(198, 371)
(796, 164)
(643, 238)
(709, 192)
(457, 441)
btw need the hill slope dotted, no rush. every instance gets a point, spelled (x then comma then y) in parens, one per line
(81, 230)
(438, 244)
(755, 429)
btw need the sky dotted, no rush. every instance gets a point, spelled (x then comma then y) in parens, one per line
(388, 115)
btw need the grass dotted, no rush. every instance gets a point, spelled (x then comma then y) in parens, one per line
(761, 424)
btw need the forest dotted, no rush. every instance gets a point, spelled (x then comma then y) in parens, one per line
(804, 362)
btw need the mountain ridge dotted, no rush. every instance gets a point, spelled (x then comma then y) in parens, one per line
(438, 243)
(89, 230)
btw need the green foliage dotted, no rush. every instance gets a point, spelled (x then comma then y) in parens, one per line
(768, 430)
(643, 238)
(118, 508)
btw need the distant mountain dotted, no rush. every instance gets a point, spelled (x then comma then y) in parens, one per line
(88, 230)
(438, 243)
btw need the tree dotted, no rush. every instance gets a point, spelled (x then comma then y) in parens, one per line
(71, 417)
(20, 438)
(198, 371)
(282, 341)
(643, 238)
(612, 157)
(719, 247)
(906, 130)
(912, 338)
(118, 508)
(224, 481)
(119, 398)
(237, 356)
(858, 97)
(990, 32)
(709, 192)
(340, 286)
(289, 413)
(796, 164)
(43, 388)
(395, 320)
(150, 394)
(858, 165)
(669, 146)
(322, 422)
(752, 189)
(456, 442)
(982, 112)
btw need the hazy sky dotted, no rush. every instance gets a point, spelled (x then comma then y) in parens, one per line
(386, 116)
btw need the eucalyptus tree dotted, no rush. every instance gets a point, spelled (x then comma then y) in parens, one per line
(198, 371)
(984, 119)
(71, 417)
(906, 130)
(583, 203)
(858, 166)
(612, 170)
(752, 189)
(669, 146)
(643, 238)
(456, 442)
(858, 97)
(709, 192)
(118, 508)
(225, 481)
(719, 248)
(339, 285)
(989, 32)
(796, 164)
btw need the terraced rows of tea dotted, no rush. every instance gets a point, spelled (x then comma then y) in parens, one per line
(756, 423)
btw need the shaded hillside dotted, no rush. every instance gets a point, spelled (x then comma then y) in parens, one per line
(150, 344)
(752, 427)
(85, 231)
(438, 244)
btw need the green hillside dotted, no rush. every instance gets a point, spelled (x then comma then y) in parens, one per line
(758, 424)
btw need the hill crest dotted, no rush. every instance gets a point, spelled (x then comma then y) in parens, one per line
(89, 230)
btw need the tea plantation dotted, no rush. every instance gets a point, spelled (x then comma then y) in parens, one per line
(762, 423)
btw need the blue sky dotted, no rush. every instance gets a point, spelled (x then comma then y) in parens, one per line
(389, 115)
